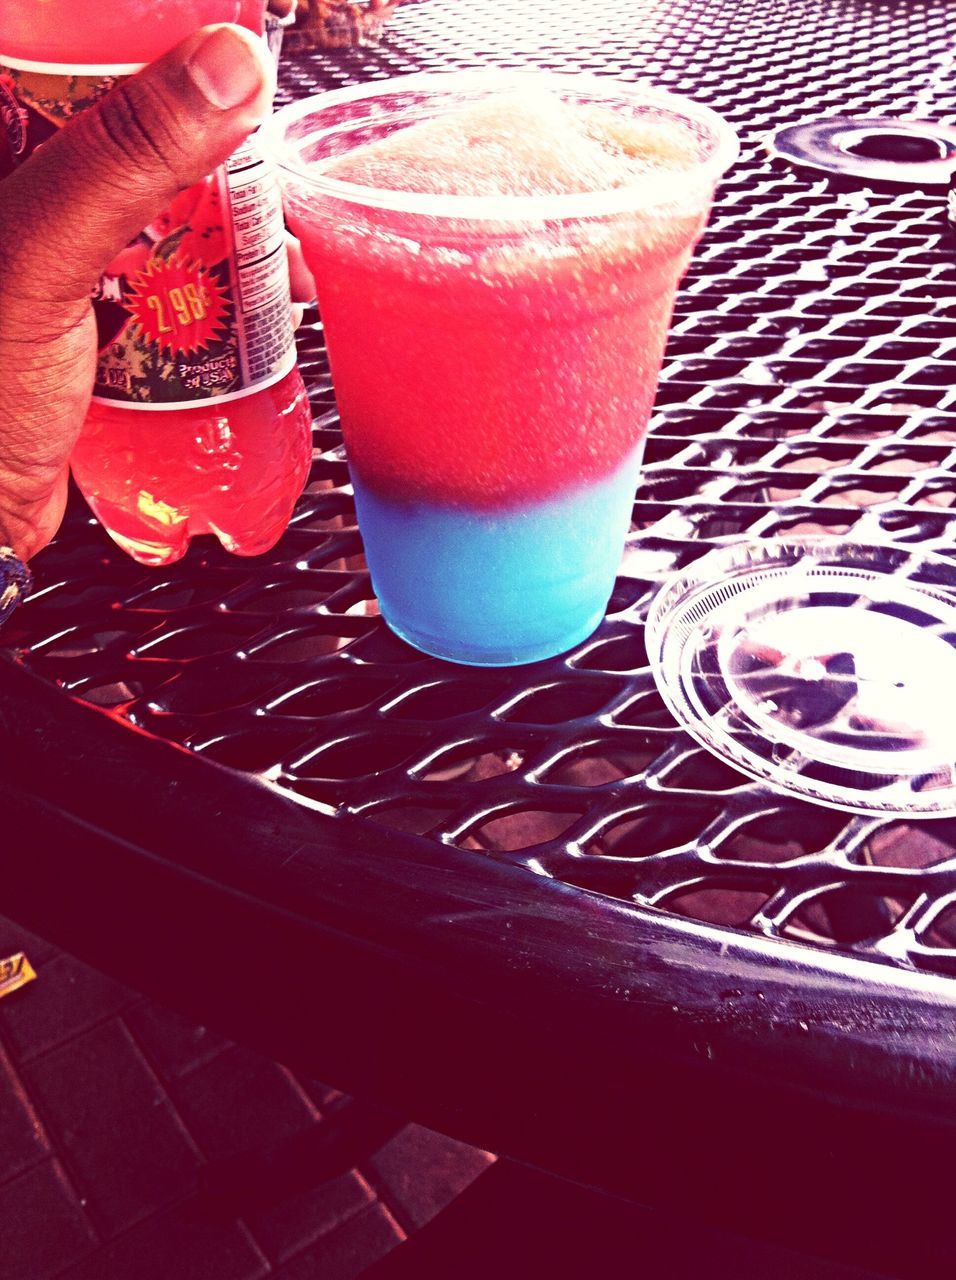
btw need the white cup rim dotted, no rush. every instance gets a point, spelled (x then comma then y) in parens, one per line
(665, 188)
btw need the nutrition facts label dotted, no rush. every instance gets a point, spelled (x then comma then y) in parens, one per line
(251, 195)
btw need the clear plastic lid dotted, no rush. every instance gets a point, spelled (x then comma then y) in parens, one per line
(824, 668)
(916, 153)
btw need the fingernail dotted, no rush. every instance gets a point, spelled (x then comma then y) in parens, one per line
(226, 68)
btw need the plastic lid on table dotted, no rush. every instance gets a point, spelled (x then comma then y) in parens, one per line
(824, 668)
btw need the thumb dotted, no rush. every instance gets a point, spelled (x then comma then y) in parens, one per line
(83, 195)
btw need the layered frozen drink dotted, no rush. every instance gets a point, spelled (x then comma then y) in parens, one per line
(496, 259)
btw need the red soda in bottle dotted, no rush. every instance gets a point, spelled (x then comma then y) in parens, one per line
(199, 421)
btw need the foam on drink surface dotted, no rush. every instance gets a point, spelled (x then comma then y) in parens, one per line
(523, 143)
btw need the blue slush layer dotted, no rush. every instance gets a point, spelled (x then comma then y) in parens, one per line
(497, 588)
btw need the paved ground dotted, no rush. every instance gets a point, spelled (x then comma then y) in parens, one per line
(119, 1121)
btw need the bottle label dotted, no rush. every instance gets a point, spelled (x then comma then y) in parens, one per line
(196, 307)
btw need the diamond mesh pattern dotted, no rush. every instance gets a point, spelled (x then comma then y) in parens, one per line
(809, 384)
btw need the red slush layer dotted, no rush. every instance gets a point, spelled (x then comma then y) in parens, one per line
(489, 366)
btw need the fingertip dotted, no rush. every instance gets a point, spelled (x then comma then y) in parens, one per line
(231, 67)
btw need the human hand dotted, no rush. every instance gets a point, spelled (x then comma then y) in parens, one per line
(66, 213)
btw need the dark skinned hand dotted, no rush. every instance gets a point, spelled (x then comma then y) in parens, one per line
(66, 213)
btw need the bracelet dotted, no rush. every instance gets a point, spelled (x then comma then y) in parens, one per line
(15, 582)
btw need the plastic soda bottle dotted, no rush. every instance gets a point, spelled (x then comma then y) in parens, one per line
(199, 421)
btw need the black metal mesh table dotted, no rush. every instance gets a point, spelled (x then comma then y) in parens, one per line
(808, 385)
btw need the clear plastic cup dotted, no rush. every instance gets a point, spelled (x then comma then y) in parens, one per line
(820, 666)
(494, 358)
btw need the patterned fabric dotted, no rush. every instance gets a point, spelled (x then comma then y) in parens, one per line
(15, 582)
(337, 24)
